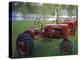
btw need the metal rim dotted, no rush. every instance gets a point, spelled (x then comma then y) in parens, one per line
(65, 49)
(22, 47)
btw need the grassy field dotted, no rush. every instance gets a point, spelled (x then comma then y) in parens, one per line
(41, 47)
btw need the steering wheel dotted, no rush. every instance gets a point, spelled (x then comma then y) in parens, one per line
(37, 22)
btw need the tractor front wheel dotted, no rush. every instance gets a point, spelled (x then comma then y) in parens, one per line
(66, 47)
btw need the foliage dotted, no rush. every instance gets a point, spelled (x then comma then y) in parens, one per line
(42, 8)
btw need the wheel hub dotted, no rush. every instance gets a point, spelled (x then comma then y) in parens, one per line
(22, 46)
(65, 49)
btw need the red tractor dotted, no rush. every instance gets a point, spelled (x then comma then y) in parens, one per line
(47, 32)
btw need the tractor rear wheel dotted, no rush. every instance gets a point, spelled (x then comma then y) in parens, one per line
(24, 44)
(66, 47)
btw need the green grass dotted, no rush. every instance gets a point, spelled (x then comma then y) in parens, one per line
(41, 47)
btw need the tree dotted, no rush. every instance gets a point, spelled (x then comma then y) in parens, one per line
(16, 5)
(70, 9)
